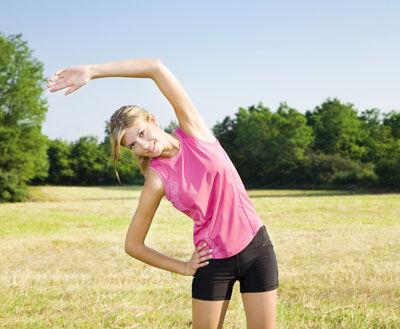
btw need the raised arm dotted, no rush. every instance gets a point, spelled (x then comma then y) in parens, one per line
(134, 68)
(187, 115)
(189, 119)
(75, 77)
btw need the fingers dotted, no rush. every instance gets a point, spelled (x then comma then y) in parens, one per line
(205, 252)
(201, 246)
(204, 264)
(200, 250)
(57, 76)
(59, 71)
(59, 87)
(55, 83)
(203, 258)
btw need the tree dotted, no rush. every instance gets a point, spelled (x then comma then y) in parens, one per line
(60, 162)
(265, 147)
(22, 110)
(392, 120)
(377, 138)
(171, 127)
(89, 161)
(337, 129)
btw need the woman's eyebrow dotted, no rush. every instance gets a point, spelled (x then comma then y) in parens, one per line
(139, 130)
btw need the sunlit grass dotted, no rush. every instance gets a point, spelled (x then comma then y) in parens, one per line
(63, 264)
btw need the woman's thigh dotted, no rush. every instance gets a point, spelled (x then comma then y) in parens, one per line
(207, 314)
(258, 265)
(260, 309)
(215, 281)
(259, 282)
(212, 287)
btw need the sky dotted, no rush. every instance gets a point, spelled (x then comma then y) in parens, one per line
(226, 54)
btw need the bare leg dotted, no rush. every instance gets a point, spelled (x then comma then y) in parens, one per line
(207, 314)
(260, 308)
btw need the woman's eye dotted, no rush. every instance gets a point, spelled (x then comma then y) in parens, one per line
(142, 132)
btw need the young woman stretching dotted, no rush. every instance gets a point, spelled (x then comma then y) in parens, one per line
(192, 170)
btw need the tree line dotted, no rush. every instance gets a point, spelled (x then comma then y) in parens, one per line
(331, 146)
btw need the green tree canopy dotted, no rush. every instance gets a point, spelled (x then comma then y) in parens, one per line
(265, 146)
(61, 169)
(337, 129)
(22, 110)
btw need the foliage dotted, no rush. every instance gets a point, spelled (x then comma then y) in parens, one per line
(332, 145)
(265, 146)
(337, 129)
(23, 147)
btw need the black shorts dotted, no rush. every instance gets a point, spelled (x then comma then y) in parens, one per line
(255, 267)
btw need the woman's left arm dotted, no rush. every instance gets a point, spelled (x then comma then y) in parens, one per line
(187, 115)
(134, 68)
(189, 119)
(75, 77)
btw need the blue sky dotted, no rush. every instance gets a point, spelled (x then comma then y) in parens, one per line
(226, 54)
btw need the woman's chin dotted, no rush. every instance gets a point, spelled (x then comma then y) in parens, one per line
(154, 154)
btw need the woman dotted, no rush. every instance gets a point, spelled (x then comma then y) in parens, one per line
(195, 174)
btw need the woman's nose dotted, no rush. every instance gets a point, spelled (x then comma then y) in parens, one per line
(146, 145)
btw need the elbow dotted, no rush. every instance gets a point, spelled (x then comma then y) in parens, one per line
(157, 62)
(157, 67)
(132, 250)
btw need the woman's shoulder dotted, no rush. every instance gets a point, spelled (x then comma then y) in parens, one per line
(155, 181)
(200, 132)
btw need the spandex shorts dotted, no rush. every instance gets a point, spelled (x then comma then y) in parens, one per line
(255, 267)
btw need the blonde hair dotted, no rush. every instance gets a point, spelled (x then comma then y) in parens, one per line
(125, 117)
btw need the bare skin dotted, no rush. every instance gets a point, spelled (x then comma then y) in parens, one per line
(146, 138)
(260, 310)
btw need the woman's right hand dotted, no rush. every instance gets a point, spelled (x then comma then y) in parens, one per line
(72, 77)
(199, 259)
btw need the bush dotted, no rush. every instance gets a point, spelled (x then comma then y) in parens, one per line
(388, 171)
(362, 176)
(12, 188)
(335, 170)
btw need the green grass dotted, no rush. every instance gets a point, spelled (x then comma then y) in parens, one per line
(63, 265)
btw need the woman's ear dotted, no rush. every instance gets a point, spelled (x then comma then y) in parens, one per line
(153, 119)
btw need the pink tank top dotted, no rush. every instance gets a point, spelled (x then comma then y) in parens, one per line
(202, 182)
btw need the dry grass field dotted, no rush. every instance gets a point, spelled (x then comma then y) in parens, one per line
(63, 265)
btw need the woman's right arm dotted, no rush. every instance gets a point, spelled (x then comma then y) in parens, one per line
(149, 200)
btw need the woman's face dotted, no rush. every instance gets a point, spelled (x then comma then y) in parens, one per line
(144, 139)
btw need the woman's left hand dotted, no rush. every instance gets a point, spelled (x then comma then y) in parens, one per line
(71, 77)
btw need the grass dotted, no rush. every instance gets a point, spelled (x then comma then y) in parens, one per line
(63, 265)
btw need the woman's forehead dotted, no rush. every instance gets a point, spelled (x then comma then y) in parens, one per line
(131, 132)
(135, 128)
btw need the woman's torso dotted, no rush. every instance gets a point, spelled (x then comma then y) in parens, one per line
(202, 182)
